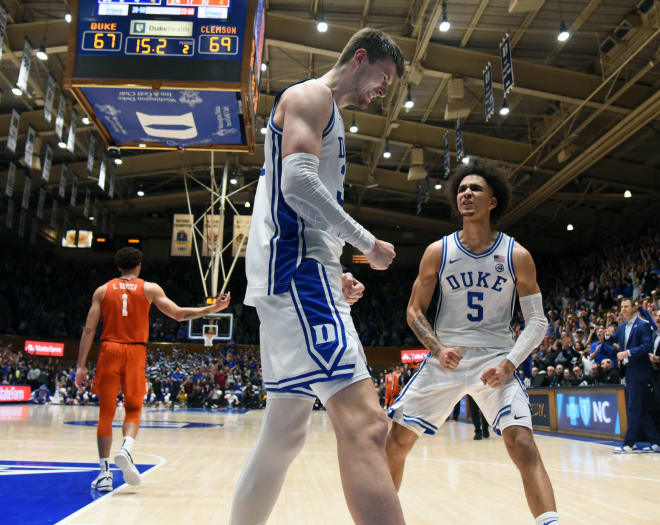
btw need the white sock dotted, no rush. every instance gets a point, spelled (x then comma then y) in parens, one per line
(548, 518)
(104, 463)
(127, 444)
(282, 436)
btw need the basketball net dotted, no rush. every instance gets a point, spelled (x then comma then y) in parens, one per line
(208, 338)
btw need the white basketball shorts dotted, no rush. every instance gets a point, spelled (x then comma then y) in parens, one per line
(429, 397)
(309, 345)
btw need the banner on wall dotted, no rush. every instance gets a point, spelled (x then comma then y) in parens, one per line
(74, 189)
(27, 187)
(447, 155)
(61, 191)
(91, 150)
(41, 202)
(241, 231)
(211, 227)
(182, 232)
(3, 26)
(73, 126)
(101, 181)
(11, 180)
(507, 64)
(111, 183)
(29, 146)
(414, 356)
(15, 393)
(49, 99)
(12, 137)
(459, 139)
(589, 412)
(59, 119)
(47, 164)
(24, 68)
(489, 100)
(88, 196)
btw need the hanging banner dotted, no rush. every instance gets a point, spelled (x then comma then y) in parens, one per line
(49, 99)
(489, 100)
(10, 214)
(59, 119)
(101, 181)
(73, 127)
(27, 187)
(29, 146)
(11, 180)
(241, 231)
(447, 159)
(111, 184)
(21, 223)
(182, 232)
(211, 227)
(61, 192)
(47, 163)
(459, 140)
(53, 215)
(12, 138)
(507, 64)
(3, 26)
(40, 203)
(88, 196)
(91, 150)
(74, 189)
(24, 69)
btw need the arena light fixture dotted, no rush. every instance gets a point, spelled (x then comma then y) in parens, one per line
(569, 227)
(563, 34)
(504, 110)
(140, 193)
(387, 153)
(16, 91)
(409, 103)
(85, 120)
(41, 53)
(142, 145)
(321, 25)
(438, 186)
(247, 204)
(444, 24)
(233, 181)
(264, 66)
(353, 128)
(118, 161)
(62, 144)
(264, 130)
(466, 160)
(627, 194)
(67, 17)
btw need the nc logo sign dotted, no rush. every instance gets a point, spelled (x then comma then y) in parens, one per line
(324, 333)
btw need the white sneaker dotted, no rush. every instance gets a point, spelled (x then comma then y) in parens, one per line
(103, 482)
(655, 447)
(621, 449)
(125, 462)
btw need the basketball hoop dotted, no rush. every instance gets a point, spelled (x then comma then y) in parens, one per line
(208, 338)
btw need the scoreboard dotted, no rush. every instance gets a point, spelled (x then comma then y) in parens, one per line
(169, 74)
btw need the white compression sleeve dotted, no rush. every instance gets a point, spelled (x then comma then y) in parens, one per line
(282, 436)
(305, 193)
(534, 331)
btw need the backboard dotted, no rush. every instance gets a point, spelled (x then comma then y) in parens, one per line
(221, 324)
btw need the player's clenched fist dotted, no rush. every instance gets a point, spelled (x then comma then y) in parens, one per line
(381, 255)
(351, 288)
(449, 357)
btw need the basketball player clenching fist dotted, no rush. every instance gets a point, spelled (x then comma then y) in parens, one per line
(309, 346)
(479, 271)
(124, 303)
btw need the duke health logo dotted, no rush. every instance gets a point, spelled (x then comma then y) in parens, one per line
(139, 27)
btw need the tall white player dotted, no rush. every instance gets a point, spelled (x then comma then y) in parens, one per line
(479, 271)
(309, 346)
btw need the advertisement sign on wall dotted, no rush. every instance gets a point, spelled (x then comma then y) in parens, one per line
(589, 412)
(44, 348)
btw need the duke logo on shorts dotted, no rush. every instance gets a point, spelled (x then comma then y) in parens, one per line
(294, 278)
(477, 295)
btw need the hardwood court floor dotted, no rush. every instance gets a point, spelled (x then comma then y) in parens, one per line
(450, 479)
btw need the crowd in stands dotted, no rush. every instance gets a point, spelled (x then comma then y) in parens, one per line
(48, 297)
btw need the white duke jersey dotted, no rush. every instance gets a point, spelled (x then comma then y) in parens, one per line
(477, 294)
(279, 238)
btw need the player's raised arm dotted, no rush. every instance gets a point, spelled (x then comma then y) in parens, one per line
(420, 298)
(87, 338)
(157, 296)
(302, 138)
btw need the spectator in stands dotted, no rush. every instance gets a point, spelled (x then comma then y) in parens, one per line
(565, 381)
(602, 349)
(579, 378)
(610, 375)
(41, 396)
(550, 378)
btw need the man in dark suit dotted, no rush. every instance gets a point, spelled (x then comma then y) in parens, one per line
(634, 339)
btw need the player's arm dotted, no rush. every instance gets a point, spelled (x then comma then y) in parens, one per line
(351, 288)
(87, 338)
(307, 109)
(420, 298)
(157, 296)
(531, 304)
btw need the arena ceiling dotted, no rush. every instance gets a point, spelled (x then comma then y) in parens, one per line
(584, 124)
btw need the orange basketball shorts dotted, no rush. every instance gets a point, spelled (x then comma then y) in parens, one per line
(122, 365)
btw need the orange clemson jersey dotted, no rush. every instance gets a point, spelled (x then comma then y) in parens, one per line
(125, 311)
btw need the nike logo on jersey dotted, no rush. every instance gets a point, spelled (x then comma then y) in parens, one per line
(520, 417)
(549, 522)
(453, 261)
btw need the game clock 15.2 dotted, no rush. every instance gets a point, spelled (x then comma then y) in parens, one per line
(160, 46)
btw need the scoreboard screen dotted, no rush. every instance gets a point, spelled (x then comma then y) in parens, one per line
(175, 40)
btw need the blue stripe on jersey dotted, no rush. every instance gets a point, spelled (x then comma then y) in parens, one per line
(312, 298)
(272, 215)
(421, 423)
(520, 381)
(477, 255)
(286, 240)
(503, 412)
(331, 122)
(509, 259)
(442, 267)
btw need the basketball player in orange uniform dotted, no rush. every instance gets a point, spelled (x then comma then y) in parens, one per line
(124, 303)
(392, 386)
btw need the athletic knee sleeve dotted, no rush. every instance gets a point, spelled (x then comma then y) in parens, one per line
(106, 415)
